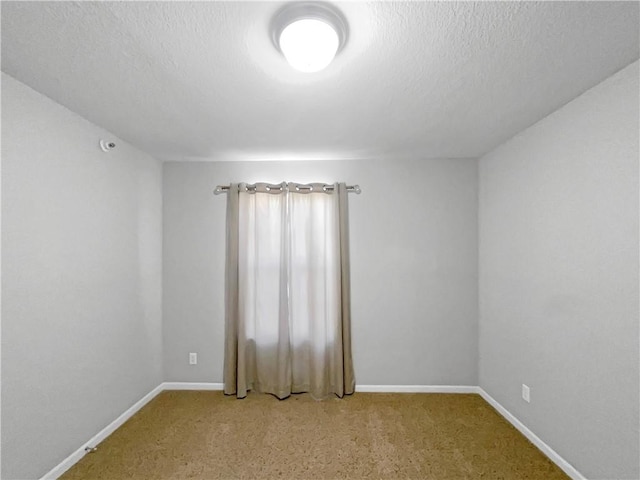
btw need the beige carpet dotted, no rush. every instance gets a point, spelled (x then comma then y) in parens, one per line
(205, 435)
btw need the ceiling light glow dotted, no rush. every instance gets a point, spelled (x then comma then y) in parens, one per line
(309, 45)
(309, 35)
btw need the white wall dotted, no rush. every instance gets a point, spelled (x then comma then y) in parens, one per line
(81, 280)
(559, 278)
(413, 264)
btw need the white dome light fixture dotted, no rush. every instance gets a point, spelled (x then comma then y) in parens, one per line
(309, 35)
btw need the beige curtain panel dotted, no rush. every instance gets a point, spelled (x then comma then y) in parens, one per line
(288, 322)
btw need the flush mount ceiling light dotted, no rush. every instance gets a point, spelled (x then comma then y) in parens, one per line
(309, 35)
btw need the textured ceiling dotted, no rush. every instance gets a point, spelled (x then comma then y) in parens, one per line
(201, 80)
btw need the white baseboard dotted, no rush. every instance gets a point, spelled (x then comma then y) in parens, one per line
(72, 459)
(533, 438)
(418, 388)
(359, 388)
(191, 386)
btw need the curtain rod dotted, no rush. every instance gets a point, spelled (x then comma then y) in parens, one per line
(350, 188)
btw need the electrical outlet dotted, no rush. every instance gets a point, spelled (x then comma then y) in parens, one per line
(193, 359)
(526, 393)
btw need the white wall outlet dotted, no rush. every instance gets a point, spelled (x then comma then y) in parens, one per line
(526, 393)
(193, 359)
